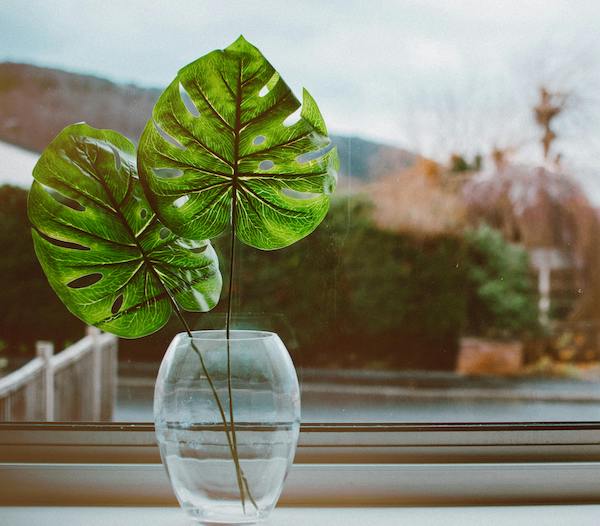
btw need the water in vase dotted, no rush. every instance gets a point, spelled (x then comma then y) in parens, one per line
(200, 465)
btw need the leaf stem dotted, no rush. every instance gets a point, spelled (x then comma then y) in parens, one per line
(234, 181)
(241, 478)
(227, 336)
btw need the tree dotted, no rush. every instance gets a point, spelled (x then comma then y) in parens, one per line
(501, 297)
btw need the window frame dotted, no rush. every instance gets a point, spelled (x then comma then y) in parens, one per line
(345, 463)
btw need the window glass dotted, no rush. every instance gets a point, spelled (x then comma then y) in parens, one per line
(455, 278)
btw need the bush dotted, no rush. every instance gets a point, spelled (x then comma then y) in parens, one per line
(357, 296)
(348, 295)
(502, 300)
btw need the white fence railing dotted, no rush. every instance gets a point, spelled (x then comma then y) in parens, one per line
(77, 384)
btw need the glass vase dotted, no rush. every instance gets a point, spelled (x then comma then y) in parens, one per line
(224, 471)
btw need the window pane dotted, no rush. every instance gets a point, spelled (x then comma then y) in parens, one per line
(455, 277)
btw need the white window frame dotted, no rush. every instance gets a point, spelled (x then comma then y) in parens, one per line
(368, 464)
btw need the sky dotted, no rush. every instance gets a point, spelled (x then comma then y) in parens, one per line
(433, 76)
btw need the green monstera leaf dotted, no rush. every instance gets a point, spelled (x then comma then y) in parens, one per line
(100, 244)
(221, 146)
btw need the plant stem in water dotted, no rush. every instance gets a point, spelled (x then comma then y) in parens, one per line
(228, 337)
(241, 478)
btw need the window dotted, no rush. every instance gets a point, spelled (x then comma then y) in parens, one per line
(450, 293)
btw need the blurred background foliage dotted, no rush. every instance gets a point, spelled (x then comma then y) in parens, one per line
(349, 295)
(502, 298)
(30, 310)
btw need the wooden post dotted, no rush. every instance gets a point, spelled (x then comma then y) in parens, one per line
(45, 351)
(544, 292)
(110, 379)
(545, 260)
(96, 373)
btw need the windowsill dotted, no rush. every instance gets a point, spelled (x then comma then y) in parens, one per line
(456, 516)
(336, 465)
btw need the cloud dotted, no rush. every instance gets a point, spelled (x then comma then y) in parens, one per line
(364, 62)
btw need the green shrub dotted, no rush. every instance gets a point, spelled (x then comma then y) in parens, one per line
(502, 300)
(355, 295)
(348, 295)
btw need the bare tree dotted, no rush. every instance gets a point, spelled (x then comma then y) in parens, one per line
(546, 111)
(561, 82)
(491, 114)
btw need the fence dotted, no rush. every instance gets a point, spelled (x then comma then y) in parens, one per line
(77, 384)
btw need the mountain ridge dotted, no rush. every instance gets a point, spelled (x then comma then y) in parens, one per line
(37, 102)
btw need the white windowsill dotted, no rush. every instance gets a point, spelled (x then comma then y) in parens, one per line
(457, 516)
(336, 465)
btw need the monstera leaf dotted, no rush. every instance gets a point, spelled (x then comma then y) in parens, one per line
(222, 145)
(100, 244)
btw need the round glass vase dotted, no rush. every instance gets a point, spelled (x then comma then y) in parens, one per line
(224, 472)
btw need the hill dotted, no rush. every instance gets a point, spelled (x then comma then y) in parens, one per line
(36, 103)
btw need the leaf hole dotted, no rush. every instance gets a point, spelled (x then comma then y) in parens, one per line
(293, 118)
(180, 201)
(85, 281)
(63, 244)
(199, 250)
(295, 194)
(164, 233)
(118, 303)
(64, 200)
(258, 140)
(188, 102)
(328, 186)
(311, 156)
(269, 85)
(167, 173)
(171, 140)
(266, 165)
(143, 213)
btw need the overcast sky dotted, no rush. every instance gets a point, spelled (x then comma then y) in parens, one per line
(435, 76)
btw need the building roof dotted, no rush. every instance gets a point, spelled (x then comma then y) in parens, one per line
(16, 165)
